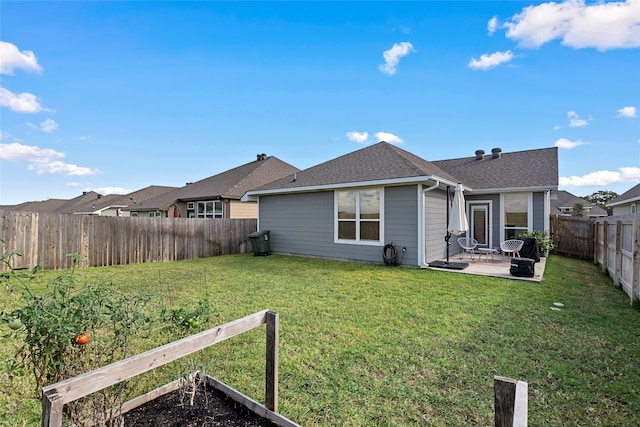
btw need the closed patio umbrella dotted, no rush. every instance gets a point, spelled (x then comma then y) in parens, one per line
(458, 223)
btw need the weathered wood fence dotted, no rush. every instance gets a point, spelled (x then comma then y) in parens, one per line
(617, 250)
(46, 239)
(573, 236)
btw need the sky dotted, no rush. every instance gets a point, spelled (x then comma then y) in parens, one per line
(113, 97)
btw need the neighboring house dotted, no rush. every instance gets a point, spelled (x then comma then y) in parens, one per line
(626, 203)
(217, 196)
(115, 204)
(92, 203)
(565, 203)
(352, 206)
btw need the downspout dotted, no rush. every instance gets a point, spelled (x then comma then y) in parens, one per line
(423, 249)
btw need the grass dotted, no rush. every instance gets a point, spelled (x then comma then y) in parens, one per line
(380, 346)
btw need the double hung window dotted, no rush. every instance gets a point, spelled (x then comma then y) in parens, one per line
(359, 216)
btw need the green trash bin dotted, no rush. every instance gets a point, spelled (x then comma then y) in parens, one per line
(260, 243)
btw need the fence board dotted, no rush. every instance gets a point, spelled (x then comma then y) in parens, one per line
(102, 241)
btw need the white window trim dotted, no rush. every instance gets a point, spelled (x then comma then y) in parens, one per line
(214, 209)
(191, 206)
(488, 204)
(529, 212)
(358, 241)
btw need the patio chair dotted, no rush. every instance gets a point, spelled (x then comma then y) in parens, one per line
(467, 244)
(511, 246)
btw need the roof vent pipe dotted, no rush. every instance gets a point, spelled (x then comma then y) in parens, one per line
(479, 154)
(495, 153)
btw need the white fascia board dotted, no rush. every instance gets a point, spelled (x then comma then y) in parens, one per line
(515, 189)
(624, 202)
(250, 195)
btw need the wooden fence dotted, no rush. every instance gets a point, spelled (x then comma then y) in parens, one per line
(46, 239)
(573, 236)
(617, 250)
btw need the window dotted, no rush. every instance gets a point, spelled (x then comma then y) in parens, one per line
(359, 216)
(212, 209)
(156, 214)
(516, 214)
(134, 214)
(190, 206)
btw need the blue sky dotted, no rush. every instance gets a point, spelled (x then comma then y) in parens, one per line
(117, 96)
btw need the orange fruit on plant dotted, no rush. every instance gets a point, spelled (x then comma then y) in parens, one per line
(81, 339)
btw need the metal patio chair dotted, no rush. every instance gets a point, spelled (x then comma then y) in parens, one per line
(511, 246)
(467, 244)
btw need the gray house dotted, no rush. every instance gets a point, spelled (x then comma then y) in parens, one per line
(352, 206)
(626, 203)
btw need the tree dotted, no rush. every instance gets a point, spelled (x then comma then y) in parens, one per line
(579, 210)
(601, 198)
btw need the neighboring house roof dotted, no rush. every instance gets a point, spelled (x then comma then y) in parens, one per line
(629, 196)
(90, 202)
(121, 201)
(567, 200)
(231, 184)
(44, 206)
(500, 171)
(375, 163)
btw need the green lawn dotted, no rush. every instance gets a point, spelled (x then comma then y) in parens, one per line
(374, 345)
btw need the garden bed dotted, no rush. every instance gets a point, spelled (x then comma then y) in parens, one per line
(214, 404)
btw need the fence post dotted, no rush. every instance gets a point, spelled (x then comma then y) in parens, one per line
(618, 255)
(635, 278)
(271, 381)
(511, 404)
(52, 405)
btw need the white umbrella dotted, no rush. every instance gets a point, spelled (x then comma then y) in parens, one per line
(458, 223)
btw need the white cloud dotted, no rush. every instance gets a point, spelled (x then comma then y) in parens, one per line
(110, 190)
(11, 58)
(20, 103)
(629, 112)
(389, 137)
(393, 55)
(48, 126)
(360, 137)
(568, 145)
(622, 175)
(489, 61)
(603, 25)
(575, 121)
(492, 25)
(42, 160)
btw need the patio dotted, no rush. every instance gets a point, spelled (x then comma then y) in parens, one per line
(496, 266)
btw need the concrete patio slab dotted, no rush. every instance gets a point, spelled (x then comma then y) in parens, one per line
(498, 266)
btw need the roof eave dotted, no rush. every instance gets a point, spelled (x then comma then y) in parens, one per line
(624, 202)
(515, 189)
(251, 195)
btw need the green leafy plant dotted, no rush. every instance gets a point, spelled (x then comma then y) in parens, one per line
(544, 239)
(71, 328)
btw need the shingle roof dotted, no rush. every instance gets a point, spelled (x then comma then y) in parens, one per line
(633, 194)
(100, 202)
(519, 169)
(231, 184)
(568, 200)
(381, 161)
(44, 206)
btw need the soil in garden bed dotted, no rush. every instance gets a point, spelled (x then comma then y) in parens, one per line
(211, 408)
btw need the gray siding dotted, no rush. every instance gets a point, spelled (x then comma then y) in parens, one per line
(435, 227)
(303, 224)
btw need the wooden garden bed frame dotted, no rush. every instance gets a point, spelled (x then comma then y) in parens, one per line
(55, 396)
